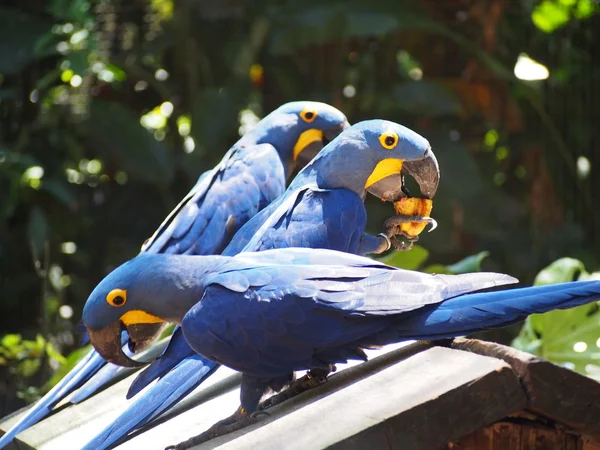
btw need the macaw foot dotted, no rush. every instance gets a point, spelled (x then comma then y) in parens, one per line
(312, 379)
(398, 237)
(391, 226)
(238, 420)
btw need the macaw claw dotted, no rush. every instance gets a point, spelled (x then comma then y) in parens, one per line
(406, 225)
(238, 420)
(312, 379)
(403, 243)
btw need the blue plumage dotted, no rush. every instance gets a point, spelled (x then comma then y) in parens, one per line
(322, 208)
(252, 174)
(247, 180)
(270, 313)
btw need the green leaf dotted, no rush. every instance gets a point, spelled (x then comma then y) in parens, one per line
(55, 354)
(437, 268)
(550, 15)
(11, 340)
(560, 271)
(585, 8)
(37, 231)
(118, 136)
(469, 264)
(569, 337)
(410, 260)
(19, 36)
(28, 367)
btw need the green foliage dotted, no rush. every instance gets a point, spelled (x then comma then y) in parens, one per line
(24, 358)
(415, 258)
(550, 15)
(568, 337)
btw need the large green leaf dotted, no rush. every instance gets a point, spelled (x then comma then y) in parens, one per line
(411, 259)
(569, 337)
(469, 264)
(20, 35)
(414, 259)
(117, 135)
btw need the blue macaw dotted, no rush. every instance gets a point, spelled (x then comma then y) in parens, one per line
(252, 174)
(268, 314)
(322, 208)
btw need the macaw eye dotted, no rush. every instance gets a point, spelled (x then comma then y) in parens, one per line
(308, 115)
(116, 297)
(388, 140)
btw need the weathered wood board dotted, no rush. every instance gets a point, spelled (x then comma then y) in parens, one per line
(416, 403)
(408, 396)
(552, 391)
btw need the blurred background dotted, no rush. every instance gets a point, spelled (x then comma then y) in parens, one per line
(111, 109)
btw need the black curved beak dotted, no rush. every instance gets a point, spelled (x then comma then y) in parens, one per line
(313, 149)
(425, 171)
(107, 341)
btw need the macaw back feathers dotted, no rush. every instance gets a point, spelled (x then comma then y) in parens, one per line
(246, 181)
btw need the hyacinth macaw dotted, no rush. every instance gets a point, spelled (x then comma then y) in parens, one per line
(322, 208)
(268, 314)
(252, 174)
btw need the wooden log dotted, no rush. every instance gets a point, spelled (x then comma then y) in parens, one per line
(552, 391)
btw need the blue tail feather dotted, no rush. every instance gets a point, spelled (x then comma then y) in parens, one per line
(101, 379)
(161, 397)
(470, 313)
(176, 351)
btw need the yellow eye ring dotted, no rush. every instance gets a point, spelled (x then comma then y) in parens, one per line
(117, 297)
(308, 115)
(388, 140)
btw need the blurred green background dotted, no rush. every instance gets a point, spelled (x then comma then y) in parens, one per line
(110, 110)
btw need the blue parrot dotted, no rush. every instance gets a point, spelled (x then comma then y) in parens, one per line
(252, 174)
(322, 208)
(268, 314)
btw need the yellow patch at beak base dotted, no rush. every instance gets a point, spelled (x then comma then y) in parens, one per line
(305, 139)
(138, 316)
(384, 169)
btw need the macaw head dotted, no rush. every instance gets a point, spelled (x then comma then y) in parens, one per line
(298, 130)
(374, 156)
(139, 296)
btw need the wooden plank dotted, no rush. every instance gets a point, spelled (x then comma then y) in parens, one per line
(553, 391)
(217, 398)
(418, 402)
